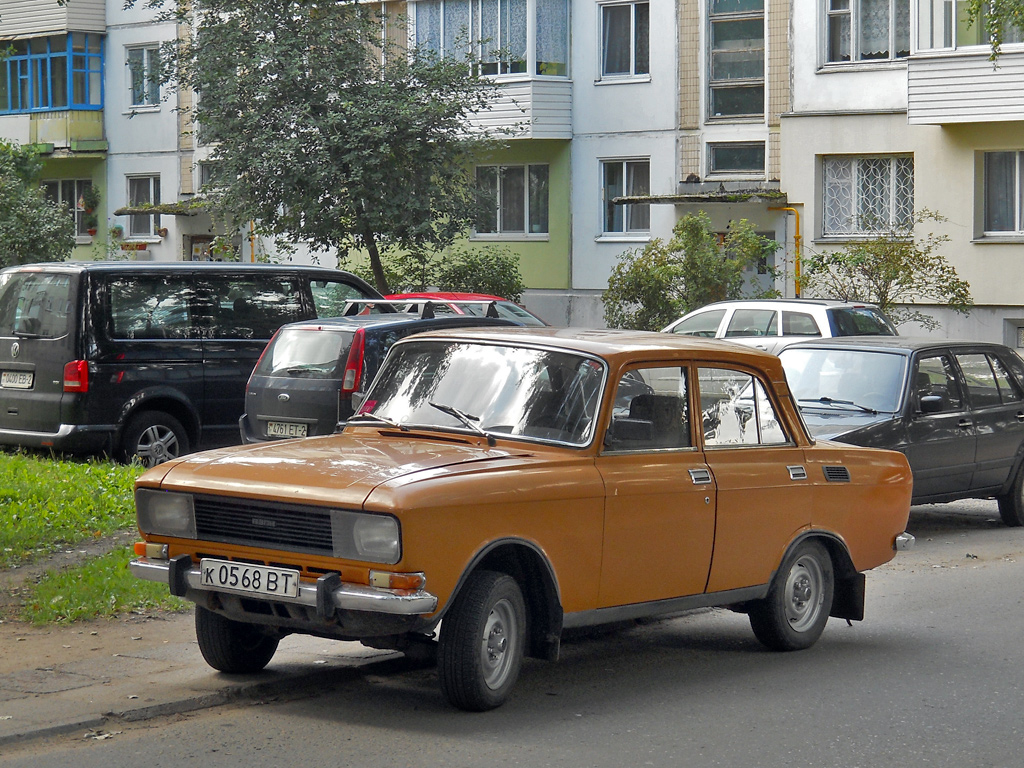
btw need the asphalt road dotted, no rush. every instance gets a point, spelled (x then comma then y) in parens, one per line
(932, 677)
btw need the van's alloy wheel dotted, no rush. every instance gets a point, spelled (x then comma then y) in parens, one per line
(233, 646)
(480, 650)
(793, 614)
(154, 437)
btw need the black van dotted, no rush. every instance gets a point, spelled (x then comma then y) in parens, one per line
(144, 360)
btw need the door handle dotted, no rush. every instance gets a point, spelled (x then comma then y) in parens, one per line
(964, 423)
(1020, 415)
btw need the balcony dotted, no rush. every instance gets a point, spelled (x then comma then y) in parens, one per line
(964, 86)
(530, 109)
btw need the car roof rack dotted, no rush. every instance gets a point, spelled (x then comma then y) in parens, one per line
(426, 306)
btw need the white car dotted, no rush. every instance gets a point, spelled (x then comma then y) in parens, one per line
(771, 324)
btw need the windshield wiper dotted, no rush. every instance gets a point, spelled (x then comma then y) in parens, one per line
(467, 419)
(379, 419)
(830, 401)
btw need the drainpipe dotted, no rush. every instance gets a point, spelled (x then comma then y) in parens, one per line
(797, 242)
(252, 241)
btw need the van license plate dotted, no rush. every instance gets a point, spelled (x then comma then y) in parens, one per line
(251, 579)
(285, 429)
(17, 379)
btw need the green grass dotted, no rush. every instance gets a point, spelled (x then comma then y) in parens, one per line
(48, 504)
(101, 587)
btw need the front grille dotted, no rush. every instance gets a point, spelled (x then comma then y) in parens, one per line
(291, 527)
(836, 474)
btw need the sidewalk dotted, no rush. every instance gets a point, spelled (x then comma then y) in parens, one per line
(89, 676)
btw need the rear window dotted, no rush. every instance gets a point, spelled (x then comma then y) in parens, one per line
(305, 353)
(860, 321)
(35, 304)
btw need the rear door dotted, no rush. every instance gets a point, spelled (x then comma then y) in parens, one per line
(39, 312)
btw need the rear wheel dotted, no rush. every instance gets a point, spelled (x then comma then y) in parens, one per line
(480, 650)
(153, 437)
(1011, 504)
(233, 646)
(794, 613)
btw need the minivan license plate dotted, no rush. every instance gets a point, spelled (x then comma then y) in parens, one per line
(285, 429)
(252, 579)
(16, 379)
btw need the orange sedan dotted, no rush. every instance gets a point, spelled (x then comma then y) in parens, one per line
(516, 483)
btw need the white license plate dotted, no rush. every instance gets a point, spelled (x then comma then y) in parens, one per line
(17, 379)
(251, 579)
(285, 429)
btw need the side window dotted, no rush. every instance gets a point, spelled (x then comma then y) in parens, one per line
(247, 308)
(935, 378)
(736, 410)
(753, 322)
(329, 296)
(651, 411)
(702, 324)
(157, 307)
(799, 324)
(981, 381)
(1009, 390)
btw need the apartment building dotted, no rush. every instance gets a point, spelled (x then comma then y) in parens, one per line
(897, 107)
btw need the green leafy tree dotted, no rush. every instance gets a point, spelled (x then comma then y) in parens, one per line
(651, 287)
(896, 269)
(32, 228)
(323, 134)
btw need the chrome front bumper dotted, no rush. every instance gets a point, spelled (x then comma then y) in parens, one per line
(328, 592)
(904, 542)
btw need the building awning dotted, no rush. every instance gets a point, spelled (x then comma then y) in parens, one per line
(691, 192)
(182, 208)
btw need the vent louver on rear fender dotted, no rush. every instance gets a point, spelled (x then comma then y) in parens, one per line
(836, 474)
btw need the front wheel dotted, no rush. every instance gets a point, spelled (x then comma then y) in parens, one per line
(793, 615)
(154, 437)
(233, 646)
(1011, 505)
(480, 650)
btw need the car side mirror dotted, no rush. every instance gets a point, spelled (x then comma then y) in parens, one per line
(932, 404)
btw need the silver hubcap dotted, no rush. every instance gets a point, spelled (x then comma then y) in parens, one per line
(157, 444)
(804, 593)
(497, 649)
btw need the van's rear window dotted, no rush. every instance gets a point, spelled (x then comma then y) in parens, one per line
(35, 304)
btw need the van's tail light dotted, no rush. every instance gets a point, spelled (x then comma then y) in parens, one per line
(76, 376)
(354, 364)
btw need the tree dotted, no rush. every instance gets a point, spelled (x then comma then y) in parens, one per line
(32, 228)
(323, 134)
(896, 269)
(650, 288)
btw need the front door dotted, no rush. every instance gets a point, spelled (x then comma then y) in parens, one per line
(660, 510)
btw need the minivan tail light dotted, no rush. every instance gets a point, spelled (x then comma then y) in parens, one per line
(354, 364)
(76, 376)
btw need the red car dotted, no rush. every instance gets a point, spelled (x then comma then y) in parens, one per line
(470, 304)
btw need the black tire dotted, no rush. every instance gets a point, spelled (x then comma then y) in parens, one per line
(233, 646)
(480, 651)
(153, 437)
(793, 615)
(1011, 504)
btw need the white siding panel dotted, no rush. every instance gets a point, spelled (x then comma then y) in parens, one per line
(533, 109)
(33, 18)
(961, 88)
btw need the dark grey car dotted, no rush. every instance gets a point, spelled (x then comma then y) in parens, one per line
(954, 408)
(304, 383)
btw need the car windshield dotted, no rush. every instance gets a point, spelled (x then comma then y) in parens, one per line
(304, 353)
(845, 379)
(524, 392)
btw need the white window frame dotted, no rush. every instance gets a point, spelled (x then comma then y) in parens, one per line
(1018, 197)
(832, 9)
(143, 224)
(635, 71)
(73, 204)
(735, 83)
(150, 73)
(641, 210)
(937, 23)
(501, 232)
(850, 181)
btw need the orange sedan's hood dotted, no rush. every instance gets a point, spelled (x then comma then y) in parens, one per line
(338, 469)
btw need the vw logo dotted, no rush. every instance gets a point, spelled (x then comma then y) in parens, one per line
(283, 397)
(15, 349)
